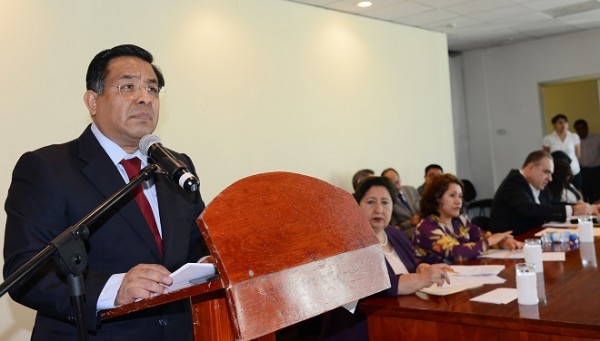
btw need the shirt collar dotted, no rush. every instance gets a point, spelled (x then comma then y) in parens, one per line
(535, 191)
(114, 151)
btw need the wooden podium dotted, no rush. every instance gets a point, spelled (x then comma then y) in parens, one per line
(287, 247)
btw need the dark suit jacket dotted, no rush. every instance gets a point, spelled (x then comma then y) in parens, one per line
(514, 207)
(401, 214)
(53, 188)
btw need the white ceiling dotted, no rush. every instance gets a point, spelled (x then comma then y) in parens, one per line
(473, 24)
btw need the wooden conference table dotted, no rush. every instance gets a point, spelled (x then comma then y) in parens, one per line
(569, 307)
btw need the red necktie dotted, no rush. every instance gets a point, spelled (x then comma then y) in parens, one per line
(132, 167)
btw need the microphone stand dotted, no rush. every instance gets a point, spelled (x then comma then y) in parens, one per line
(69, 253)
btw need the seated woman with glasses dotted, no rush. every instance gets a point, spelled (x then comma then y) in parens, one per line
(443, 235)
(375, 196)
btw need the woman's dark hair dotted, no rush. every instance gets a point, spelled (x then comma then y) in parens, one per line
(561, 178)
(558, 117)
(98, 68)
(559, 154)
(372, 181)
(430, 201)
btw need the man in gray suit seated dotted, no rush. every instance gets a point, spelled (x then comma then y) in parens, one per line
(406, 209)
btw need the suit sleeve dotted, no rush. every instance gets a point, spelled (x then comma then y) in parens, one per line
(519, 200)
(37, 213)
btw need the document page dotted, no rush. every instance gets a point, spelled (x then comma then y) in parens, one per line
(497, 296)
(503, 254)
(466, 277)
(190, 274)
(520, 254)
(573, 231)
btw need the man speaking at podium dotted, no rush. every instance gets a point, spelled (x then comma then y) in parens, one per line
(130, 253)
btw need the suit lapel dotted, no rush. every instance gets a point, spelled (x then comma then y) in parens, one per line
(105, 177)
(526, 185)
(172, 216)
(411, 202)
(401, 209)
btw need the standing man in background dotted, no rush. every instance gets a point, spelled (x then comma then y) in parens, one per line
(431, 171)
(589, 161)
(130, 253)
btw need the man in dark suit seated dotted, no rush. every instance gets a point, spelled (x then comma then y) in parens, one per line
(405, 214)
(134, 247)
(523, 202)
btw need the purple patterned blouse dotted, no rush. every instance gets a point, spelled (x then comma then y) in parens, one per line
(435, 243)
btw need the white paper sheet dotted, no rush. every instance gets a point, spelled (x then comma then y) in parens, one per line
(559, 224)
(519, 254)
(351, 307)
(476, 270)
(190, 274)
(553, 256)
(497, 296)
(467, 277)
(447, 290)
(573, 231)
(571, 221)
(503, 254)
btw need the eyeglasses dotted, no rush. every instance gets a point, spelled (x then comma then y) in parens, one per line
(131, 89)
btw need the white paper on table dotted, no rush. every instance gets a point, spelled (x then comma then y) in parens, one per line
(503, 254)
(460, 283)
(497, 296)
(572, 231)
(476, 270)
(467, 277)
(474, 279)
(567, 222)
(559, 224)
(553, 256)
(447, 290)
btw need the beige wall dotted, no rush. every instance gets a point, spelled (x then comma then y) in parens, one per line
(252, 86)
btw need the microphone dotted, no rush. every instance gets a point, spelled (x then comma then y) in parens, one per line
(175, 170)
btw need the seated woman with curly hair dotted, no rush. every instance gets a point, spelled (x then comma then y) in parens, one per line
(444, 236)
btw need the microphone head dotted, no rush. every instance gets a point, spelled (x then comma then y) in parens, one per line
(146, 142)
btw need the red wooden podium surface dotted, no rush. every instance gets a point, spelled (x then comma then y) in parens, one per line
(287, 247)
(569, 308)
